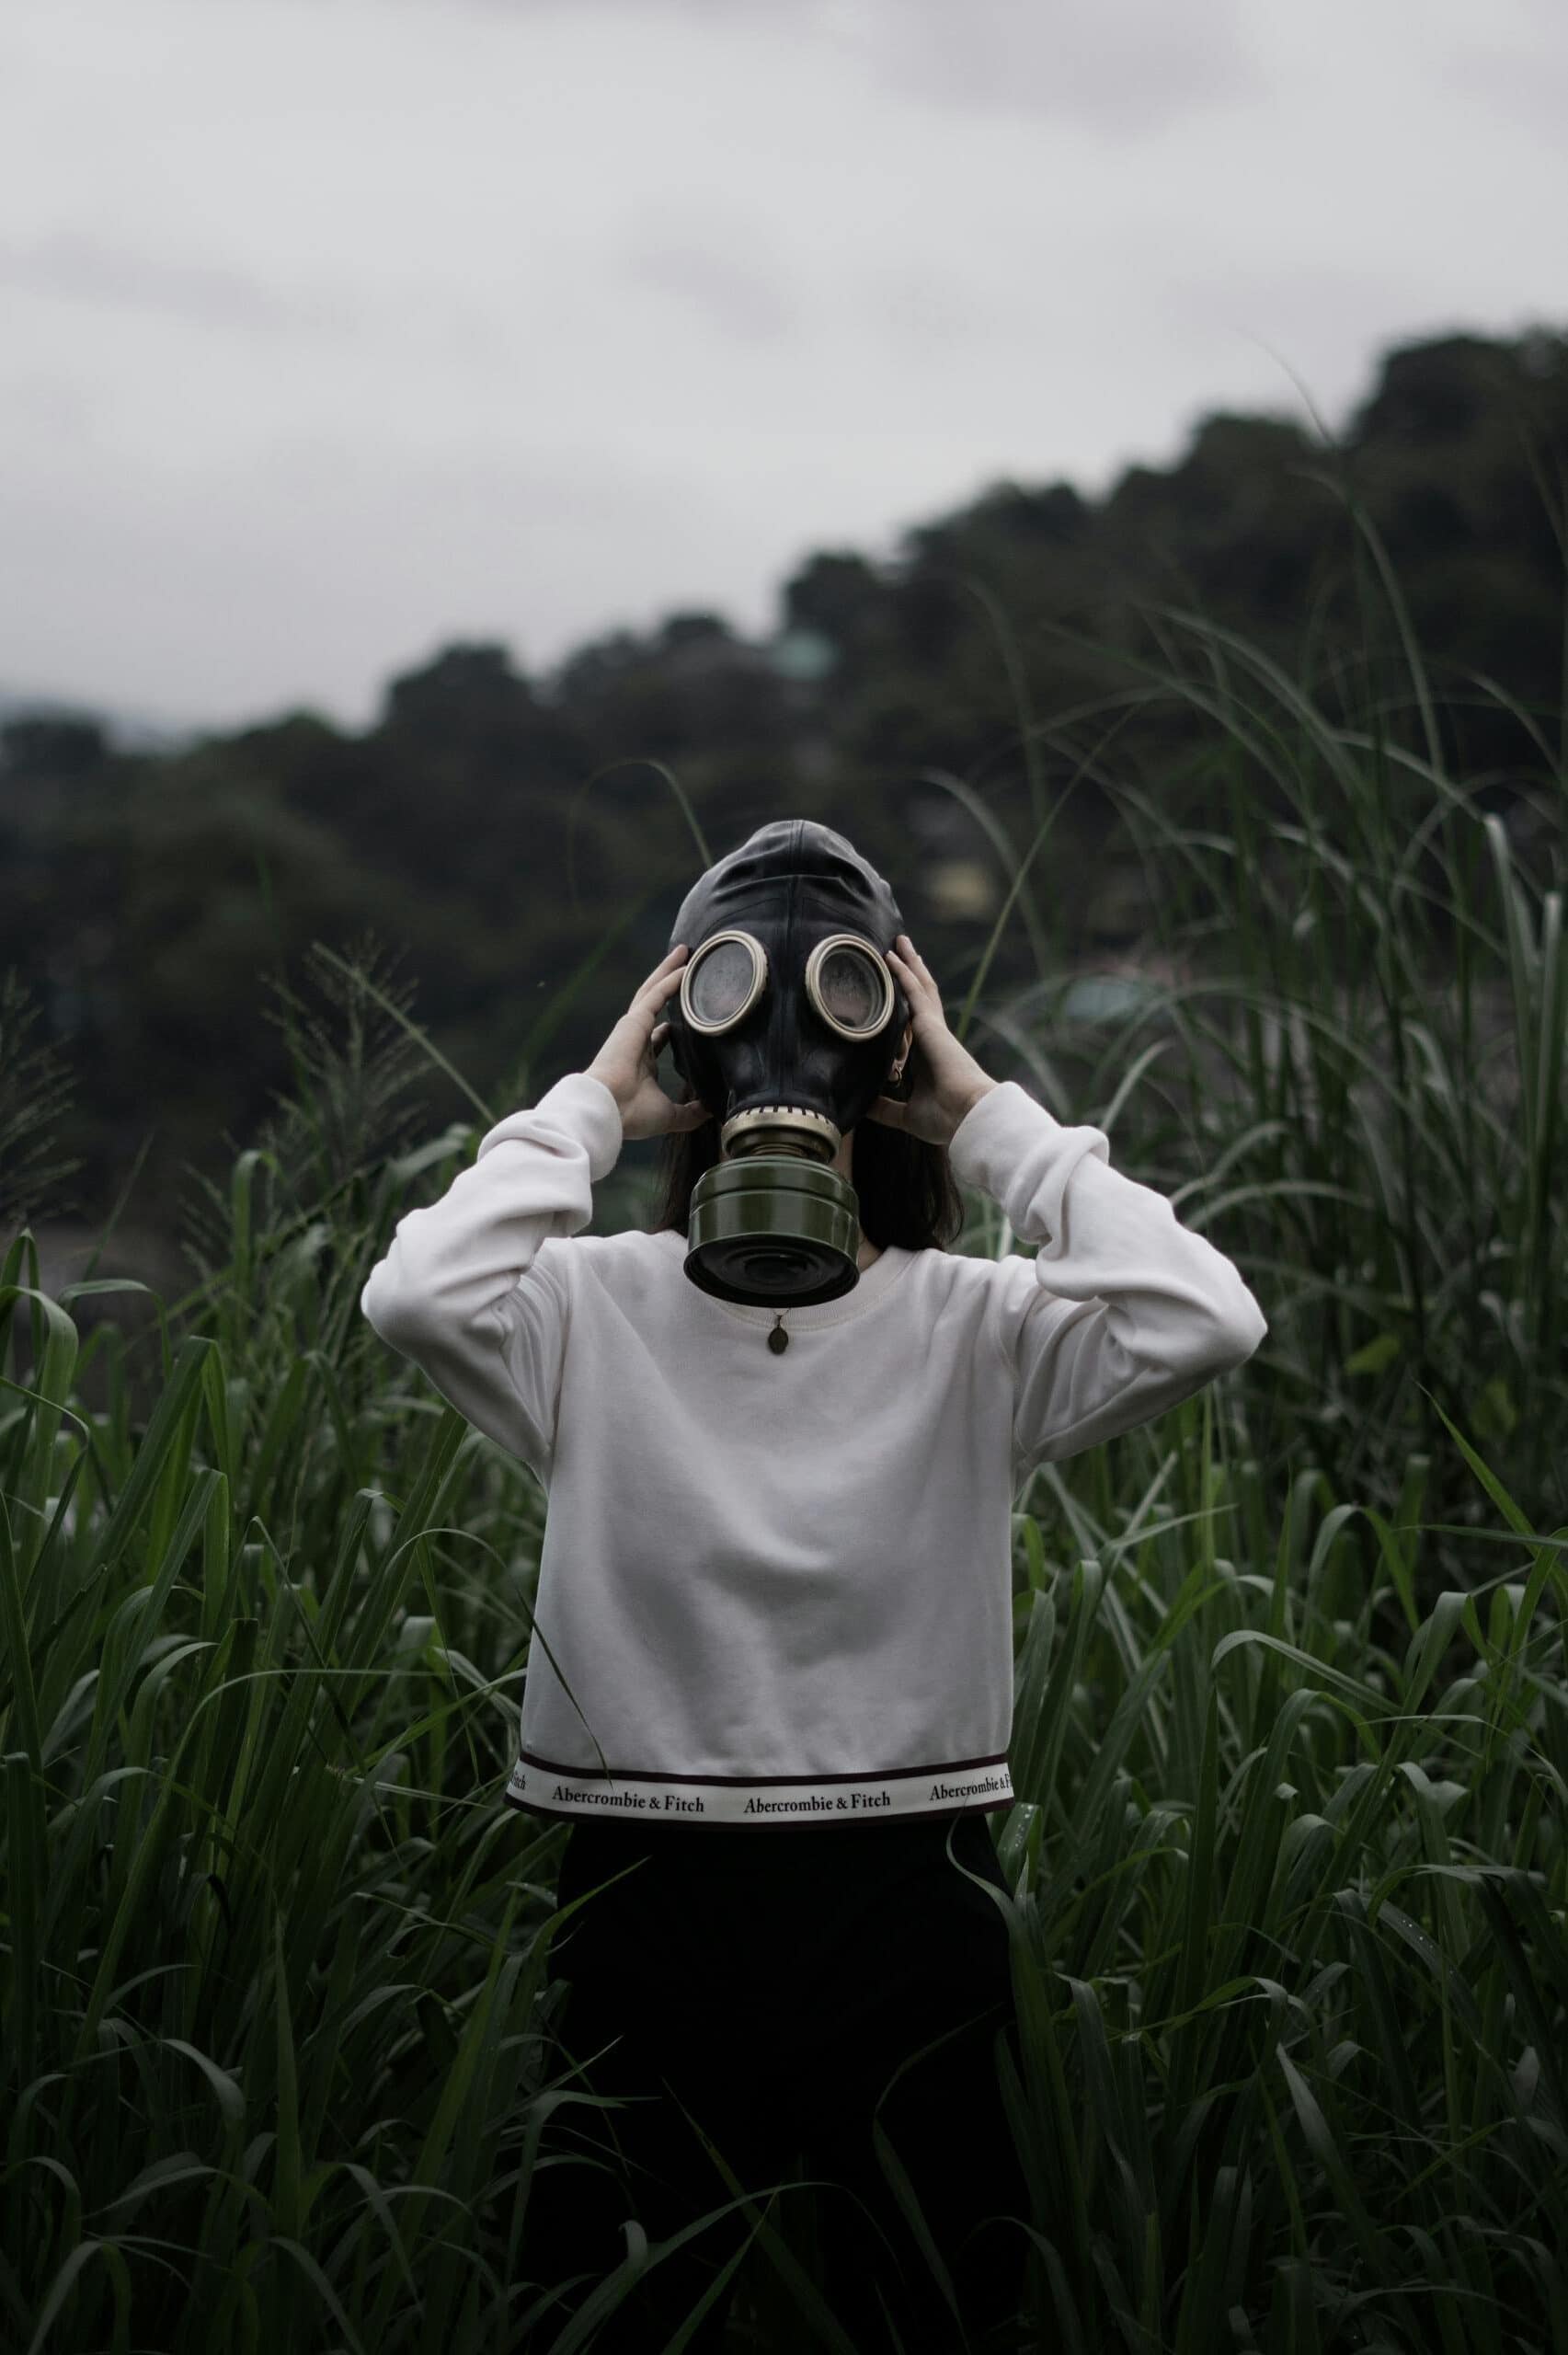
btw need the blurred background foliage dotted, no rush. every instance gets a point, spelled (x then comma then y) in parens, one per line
(1003, 668)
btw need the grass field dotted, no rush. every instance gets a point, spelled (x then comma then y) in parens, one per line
(1288, 1860)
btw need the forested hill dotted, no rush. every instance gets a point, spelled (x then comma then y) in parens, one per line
(1013, 659)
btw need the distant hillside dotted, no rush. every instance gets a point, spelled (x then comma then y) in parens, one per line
(124, 731)
(1021, 662)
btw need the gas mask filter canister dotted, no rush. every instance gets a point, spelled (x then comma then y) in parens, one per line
(786, 1025)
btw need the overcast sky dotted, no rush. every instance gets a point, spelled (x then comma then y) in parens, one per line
(331, 330)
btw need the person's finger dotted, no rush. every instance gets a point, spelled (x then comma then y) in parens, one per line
(922, 989)
(889, 1110)
(643, 1012)
(668, 986)
(916, 986)
(663, 973)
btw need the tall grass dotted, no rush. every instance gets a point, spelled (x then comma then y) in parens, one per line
(1288, 1860)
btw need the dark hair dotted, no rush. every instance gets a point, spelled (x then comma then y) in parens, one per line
(906, 1191)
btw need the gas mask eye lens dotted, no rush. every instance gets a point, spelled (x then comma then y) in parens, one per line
(850, 986)
(848, 993)
(723, 980)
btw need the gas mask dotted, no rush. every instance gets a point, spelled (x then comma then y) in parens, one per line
(786, 1027)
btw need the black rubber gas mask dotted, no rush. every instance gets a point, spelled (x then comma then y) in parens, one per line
(787, 1024)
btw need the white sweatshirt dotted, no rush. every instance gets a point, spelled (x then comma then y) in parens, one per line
(779, 1587)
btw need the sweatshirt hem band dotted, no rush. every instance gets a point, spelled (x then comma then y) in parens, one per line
(538, 1788)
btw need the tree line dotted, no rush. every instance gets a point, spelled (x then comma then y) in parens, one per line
(508, 850)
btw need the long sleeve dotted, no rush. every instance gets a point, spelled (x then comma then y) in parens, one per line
(1123, 1311)
(437, 1296)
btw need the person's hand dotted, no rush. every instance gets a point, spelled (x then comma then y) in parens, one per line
(628, 1061)
(947, 1079)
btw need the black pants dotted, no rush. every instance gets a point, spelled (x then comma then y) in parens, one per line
(775, 1980)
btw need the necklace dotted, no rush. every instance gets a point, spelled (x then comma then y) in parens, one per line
(778, 1339)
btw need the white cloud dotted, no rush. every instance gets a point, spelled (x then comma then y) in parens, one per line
(326, 332)
(1125, 67)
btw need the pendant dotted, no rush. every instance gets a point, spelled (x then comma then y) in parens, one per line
(778, 1339)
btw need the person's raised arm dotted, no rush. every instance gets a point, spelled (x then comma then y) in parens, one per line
(1123, 1312)
(462, 1290)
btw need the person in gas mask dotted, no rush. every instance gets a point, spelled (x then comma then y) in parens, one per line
(770, 1679)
